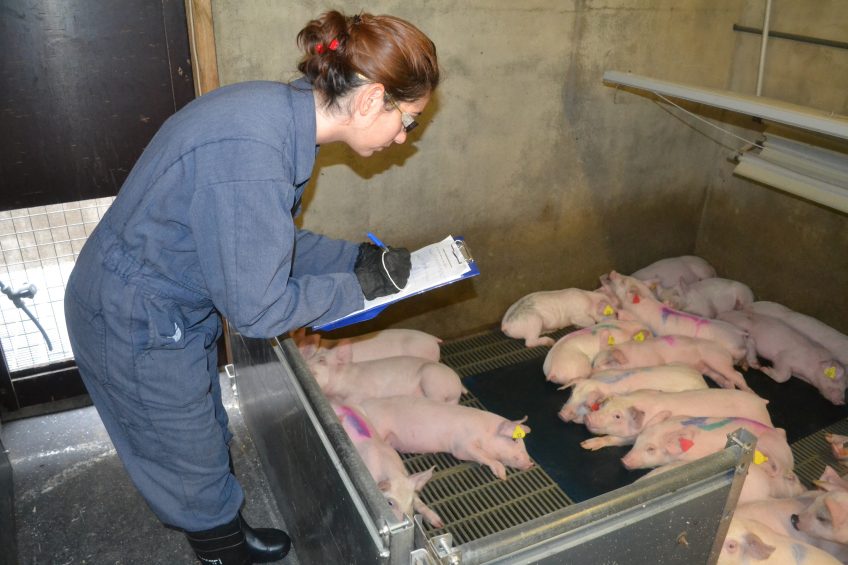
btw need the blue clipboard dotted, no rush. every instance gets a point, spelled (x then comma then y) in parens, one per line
(371, 313)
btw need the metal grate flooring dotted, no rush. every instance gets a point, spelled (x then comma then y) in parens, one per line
(469, 498)
(454, 480)
(813, 453)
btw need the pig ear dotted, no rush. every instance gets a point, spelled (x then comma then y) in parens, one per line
(756, 548)
(655, 284)
(309, 348)
(838, 513)
(420, 479)
(298, 334)
(660, 416)
(344, 352)
(619, 356)
(637, 417)
(672, 444)
(828, 474)
(593, 397)
(507, 427)
(604, 339)
(683, 285)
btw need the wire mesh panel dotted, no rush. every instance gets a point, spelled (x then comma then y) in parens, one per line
(39, 246)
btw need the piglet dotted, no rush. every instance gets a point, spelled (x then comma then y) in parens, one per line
(571, 357)
(818, 331)
(350, 383)
(703, 355)
(756, 485)
(791, 354)
(830, 480)
(709, 297)
(420, 425)
(686, 438)
(386, 467)
(750, 541)
(837, 445)
(668, 272)
(547, 311)
(589, 393)
(777, 514)
(374, 345)
(638, 301)
(623, 417)
(826, 517)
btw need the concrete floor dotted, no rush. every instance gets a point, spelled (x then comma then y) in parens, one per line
(74, 503)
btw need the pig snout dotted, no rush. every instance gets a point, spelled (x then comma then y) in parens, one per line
(566, 414)
(631, 461)
(835, 395)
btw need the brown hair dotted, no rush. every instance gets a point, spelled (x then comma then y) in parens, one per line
(344, 52)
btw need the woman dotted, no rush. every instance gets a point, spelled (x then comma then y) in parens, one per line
(204, 225)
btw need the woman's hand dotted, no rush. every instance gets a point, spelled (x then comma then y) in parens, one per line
(381, 272)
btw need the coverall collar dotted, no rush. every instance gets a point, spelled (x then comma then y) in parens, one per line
(303, 106)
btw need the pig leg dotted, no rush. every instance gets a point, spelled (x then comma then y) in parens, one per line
(429, 515)
(751, 354)
(597, 443)
(539, 340)
(729, 376)
(583, 321)
(474, 452)
(780, 371)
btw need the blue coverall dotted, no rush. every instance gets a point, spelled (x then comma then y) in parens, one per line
(203, 225)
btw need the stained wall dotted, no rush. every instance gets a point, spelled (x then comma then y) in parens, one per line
(552, 176)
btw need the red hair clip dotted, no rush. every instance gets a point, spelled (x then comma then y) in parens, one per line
(332, 46)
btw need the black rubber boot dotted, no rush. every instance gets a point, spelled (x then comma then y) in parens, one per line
(266, 544)
(222, 545)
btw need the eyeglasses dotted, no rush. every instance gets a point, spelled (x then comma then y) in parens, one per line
(406, 118)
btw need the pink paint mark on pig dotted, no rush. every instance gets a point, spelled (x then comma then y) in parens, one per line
(669, 340)
(667, 312)
(356, 422)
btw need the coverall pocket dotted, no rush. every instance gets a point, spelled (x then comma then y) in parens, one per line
(173, 368)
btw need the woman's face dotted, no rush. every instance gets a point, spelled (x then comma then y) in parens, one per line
(386, 127)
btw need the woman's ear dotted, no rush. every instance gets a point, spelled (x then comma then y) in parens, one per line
(370, 100)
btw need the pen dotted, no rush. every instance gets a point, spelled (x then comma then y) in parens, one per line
(377, 242)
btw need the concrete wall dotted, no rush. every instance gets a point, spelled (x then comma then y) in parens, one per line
(552, 177)
(787, 249)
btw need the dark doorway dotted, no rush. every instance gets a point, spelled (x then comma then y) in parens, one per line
(84, 85)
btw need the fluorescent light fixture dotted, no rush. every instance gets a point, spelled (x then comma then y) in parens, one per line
(766, 108)
(805, 170)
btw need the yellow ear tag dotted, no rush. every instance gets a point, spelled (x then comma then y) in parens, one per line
(518, 433)
(639, 336)
(608, 311)
(830, 373)
(610, 340)
(759, 458)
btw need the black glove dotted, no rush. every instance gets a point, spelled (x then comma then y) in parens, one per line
(371, 265)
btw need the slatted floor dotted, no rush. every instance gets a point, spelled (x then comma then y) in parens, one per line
(468, 497)
(475, 504)
(813, 453)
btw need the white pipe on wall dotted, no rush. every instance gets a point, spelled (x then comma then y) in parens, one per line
(763, 45)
